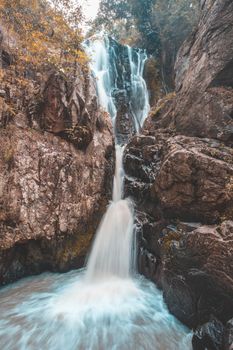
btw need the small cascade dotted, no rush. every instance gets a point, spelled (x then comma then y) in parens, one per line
(112, 252)
(119, 175)
(100, 63)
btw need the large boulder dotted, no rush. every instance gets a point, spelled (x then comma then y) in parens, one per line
(195, 180)
(185, 178)
(197, 273)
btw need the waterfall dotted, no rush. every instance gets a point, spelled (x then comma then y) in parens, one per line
(104, 306)
(98, 50)
(113, 249)
(139, 101)
(119, 72)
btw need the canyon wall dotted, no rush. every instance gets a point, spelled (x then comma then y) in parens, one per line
(179, 171)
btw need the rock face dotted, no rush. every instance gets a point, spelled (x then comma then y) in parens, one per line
(179, 171)
(197, 268)
(184, 177)
(203, 106)
(56, 169)
(209, 336)
(195, 180)
(228, 335)
(176, 179)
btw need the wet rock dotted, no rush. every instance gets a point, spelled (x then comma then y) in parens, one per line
(202, 261)
(228, 335)
(209, 336)
(128, 89)
(124, 125)
(141, 163)
(148, 236)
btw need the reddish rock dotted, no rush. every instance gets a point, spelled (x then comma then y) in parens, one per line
(203, 105)
(202, 263)
(184, 177)
(194, 181)
(181, 169)
(52, 198)
(56, 170)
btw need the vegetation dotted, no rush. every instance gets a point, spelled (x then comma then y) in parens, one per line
(39, 32)
(155, 112)
(151, 21)
(159, 26)
(36, 36)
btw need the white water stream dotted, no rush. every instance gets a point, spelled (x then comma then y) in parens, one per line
(106, 306)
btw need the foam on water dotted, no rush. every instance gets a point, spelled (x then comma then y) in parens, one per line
(57, 312)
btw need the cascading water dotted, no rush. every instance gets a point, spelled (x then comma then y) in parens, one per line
(139, 101)
(119, 75)
(113, 249)
(105, 306)
(100, 67)
(112, 253)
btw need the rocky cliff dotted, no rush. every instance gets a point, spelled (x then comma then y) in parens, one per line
(56, 167)
(180, 172)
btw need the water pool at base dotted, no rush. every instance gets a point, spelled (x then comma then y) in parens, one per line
(66, 312)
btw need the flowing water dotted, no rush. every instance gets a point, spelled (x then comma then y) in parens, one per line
(119, 70)
(105, 306)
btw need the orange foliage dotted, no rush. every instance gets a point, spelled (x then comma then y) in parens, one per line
(48, 32)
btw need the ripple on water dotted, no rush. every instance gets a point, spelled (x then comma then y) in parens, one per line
(64, 311)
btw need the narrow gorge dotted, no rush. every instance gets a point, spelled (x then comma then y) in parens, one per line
(116, 181)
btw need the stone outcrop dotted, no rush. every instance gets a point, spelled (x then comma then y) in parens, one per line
(203, 105)
(176, 179)
(65, 109)
(186, 178)
(228, 335)
(179, 172)
(56, 169)
(197, 268)
(208, 336)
